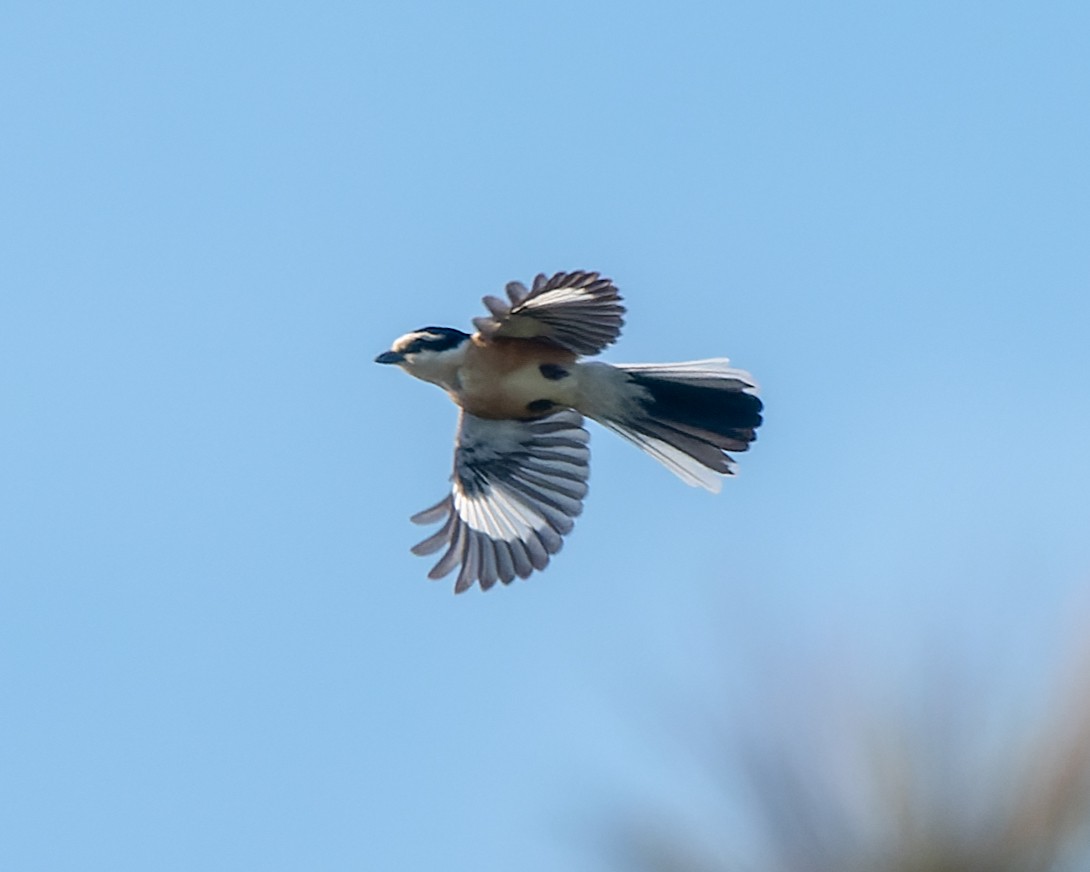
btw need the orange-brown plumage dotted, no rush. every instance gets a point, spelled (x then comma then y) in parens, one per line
(501, 378)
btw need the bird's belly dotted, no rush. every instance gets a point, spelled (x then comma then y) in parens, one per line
(522, 392)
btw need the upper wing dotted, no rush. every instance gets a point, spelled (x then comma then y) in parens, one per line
(578, 310)
(518, 485)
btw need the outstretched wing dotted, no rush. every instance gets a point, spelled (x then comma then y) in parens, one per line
(577, 310)
(518, 485)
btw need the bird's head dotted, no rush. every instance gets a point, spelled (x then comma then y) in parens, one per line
(430, 353)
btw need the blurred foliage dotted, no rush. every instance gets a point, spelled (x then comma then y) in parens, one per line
(851, 787)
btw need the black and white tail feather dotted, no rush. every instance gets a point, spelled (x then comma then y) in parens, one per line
(686, 415)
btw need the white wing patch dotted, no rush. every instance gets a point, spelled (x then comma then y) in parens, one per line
(558, 297)
(578, 310)
(518, 486)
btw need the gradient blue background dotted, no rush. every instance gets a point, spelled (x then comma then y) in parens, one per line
(217, 652)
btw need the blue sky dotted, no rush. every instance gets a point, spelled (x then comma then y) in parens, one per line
(216, 650)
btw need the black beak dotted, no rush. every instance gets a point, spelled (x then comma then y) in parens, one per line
(390, 357)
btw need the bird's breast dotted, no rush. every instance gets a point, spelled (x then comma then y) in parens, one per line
(515, 378)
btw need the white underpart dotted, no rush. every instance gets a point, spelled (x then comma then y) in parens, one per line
(438, 367)
(605, 394)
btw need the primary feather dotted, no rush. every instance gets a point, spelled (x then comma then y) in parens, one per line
(578, 310)
(518, 486)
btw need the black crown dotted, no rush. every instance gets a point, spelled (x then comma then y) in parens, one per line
(436, 339)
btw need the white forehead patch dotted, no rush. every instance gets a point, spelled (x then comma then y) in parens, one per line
(403, 342)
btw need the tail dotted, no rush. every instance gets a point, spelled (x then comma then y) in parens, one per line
(685, 415)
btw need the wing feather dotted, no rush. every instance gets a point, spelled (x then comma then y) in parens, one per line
(518, 487)
(577, 310)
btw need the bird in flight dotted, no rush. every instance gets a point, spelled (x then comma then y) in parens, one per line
(521, 456)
